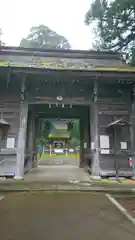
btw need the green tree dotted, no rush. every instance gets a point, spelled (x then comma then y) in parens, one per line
(43, 37)
(46, 129)
(74, 130)
(70, 125)
(114, 23)
(74, 142)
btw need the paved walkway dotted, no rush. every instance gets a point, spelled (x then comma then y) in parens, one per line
(58, 174)
(64, 178)
(57, 160)
(74, 216)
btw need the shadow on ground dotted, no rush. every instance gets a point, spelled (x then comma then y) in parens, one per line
(55, 215)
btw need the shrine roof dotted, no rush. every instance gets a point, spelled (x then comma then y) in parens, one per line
(56, 135)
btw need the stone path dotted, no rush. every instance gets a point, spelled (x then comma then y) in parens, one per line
(59, 160)
(58, 174)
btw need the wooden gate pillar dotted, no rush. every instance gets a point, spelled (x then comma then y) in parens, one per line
(86, 130)
(81, 142)
(94, 127)
(30, 139)
(35, 158)
(19, 174)
(37, 130)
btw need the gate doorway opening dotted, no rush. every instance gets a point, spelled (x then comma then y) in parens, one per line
(60, 135)
(59, 142)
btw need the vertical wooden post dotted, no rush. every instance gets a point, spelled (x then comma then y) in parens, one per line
(132, 132)
(95, 171)
(3, 139)
(50, 152)
(81, 142)
(30, 137)
(35, 148)
(19, 174)
(86, 139)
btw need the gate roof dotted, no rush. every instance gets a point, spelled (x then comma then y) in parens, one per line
(59, 61)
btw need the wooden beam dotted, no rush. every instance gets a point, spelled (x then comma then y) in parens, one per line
(108, 76)
(66, 102)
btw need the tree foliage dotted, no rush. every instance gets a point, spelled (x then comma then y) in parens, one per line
(74, 129)
(43, 37)
(114, 23)
(46, 129)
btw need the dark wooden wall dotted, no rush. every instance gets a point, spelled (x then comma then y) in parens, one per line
(10, 111)
(115, 103)
(74, 91)
(10, 105)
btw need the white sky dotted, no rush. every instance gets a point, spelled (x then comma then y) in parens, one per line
(66, 17)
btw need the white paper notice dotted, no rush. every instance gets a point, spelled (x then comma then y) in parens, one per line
(10, 142)
(104, 141)
(92, 145)
(123, 145)
(85, 144)
(105, 151)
